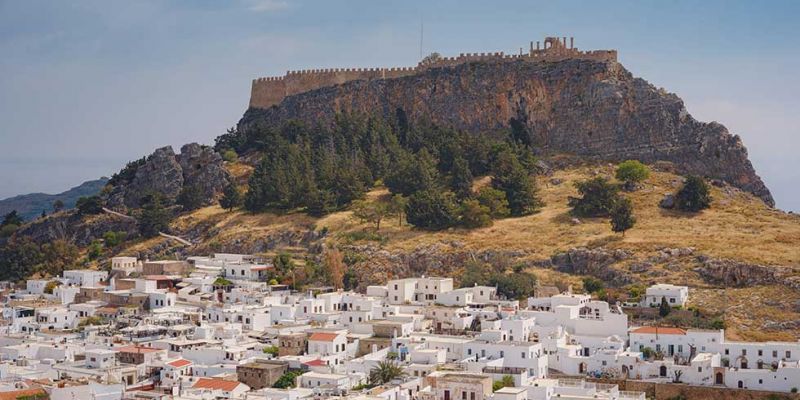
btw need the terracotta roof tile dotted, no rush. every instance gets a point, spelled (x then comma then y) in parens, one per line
(15, 394)
(179, 363)
(216, 384)
(323, 336)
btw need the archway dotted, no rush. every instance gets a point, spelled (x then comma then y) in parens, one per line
(625, 371)
(719, 379)
(662, 371)
(740, 385)
(582, 368)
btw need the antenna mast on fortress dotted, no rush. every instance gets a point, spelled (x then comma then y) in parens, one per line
(421, 35)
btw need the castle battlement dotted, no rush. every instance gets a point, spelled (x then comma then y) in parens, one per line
(270, 91)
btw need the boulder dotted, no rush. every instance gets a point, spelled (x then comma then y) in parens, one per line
(667, 202)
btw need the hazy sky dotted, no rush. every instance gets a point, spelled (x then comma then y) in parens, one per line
(87, 85)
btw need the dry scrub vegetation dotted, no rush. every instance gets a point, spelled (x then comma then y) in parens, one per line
(737, 226)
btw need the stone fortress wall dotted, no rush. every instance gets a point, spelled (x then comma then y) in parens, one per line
(270, 91)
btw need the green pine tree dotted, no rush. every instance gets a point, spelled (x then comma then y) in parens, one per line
(622, 217)
(461, 178)
(231, 197)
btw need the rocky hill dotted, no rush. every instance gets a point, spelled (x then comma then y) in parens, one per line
(594, 109)
(30, 206)
(741, 257)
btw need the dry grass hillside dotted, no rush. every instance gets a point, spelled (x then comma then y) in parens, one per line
(738, 226)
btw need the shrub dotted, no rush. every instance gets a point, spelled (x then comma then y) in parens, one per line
(114, 239)
(592, 284)
(474, 215)
(287, 380)
(495, 200)
(432, 209)
(271, 350)
(190, 197)
(517, 285)
(89, 205)
(598, 197)
(230, 155)
(694, 196)
(632, 172)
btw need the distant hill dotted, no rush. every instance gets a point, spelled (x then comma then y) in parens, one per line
(30, 206)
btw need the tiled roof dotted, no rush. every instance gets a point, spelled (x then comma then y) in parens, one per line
(659, 330)
(215, 384)
(15, 394)
(315, 363)
(323, 337)
(179, 363)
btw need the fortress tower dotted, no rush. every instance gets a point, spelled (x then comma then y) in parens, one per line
(270, 91)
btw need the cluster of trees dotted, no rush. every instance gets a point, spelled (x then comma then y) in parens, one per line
(11, 222)
(601, 198)
(20, 257)
(515, 284)
(320, 170)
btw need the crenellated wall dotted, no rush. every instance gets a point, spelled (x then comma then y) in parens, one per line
(270, 91)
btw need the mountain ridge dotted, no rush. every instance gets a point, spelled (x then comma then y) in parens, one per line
(31, 205)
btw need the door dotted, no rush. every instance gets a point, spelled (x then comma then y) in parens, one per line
(446, 395)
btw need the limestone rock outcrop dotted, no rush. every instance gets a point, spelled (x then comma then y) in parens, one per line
(589, 108)
(594, 262)
(740, 274)
(168, 173)
(70, 226)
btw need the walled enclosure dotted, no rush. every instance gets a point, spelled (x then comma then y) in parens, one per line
(270, 91)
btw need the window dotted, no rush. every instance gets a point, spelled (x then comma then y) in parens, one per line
(744, 352)
(727, 352)
(699, 369)
(775, 353)
(788, 354)
(760, 352)
(523, 355)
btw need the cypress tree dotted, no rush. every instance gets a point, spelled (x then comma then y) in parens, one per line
(461, 178)
(231, 197)
(622, 217)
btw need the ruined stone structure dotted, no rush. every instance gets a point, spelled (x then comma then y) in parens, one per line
(270, 91)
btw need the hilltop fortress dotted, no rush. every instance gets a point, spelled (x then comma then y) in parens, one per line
(269, 91)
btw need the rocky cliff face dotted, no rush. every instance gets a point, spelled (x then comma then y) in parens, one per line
(584, 107)
(167, 173)
(74, 228)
